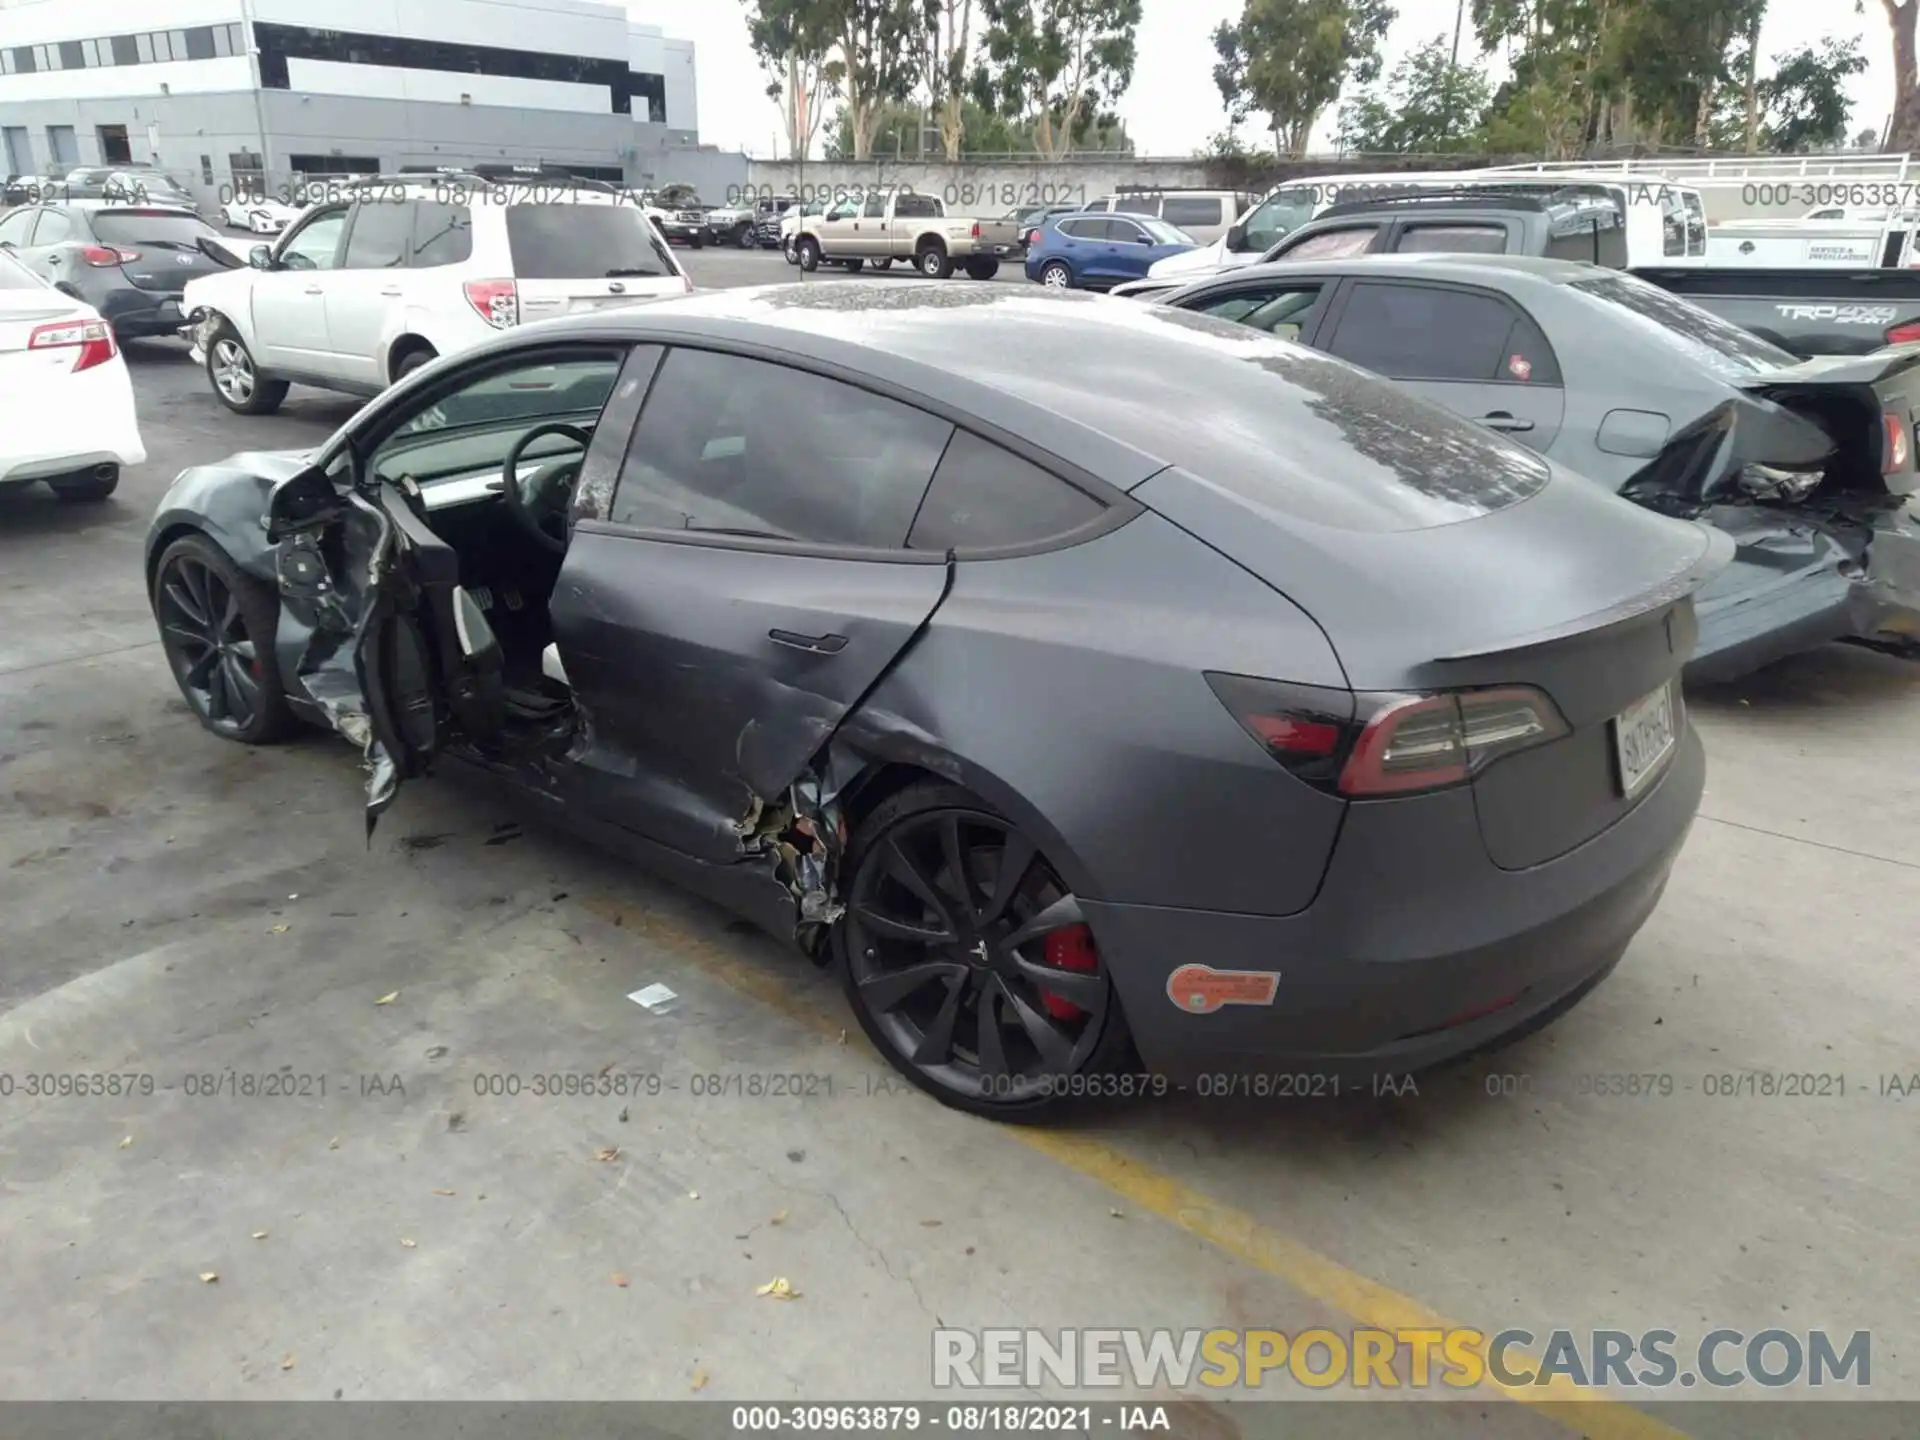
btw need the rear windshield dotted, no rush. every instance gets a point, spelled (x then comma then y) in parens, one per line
(584, 242)
(1725, 348)
(134, 227)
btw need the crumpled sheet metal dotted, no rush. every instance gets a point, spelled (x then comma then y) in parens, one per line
(804, 833)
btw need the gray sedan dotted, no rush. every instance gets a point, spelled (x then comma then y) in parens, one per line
(1092, 685)
(1808, 465)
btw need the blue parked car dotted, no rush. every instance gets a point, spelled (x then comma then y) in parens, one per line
(1097, 252)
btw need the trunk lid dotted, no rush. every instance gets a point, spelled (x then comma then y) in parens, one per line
(585, 255)
(1567, 590)
(165, 244)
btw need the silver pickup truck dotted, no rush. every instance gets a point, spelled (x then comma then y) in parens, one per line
(889, 225)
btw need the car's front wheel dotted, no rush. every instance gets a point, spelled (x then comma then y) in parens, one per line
(235, 378)
(217, 625)
(967, 960)
(808, 252)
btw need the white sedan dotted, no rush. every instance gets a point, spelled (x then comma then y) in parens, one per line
(69, 400)
(260, 214)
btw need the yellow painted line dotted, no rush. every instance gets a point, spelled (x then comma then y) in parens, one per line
(1227, 1229)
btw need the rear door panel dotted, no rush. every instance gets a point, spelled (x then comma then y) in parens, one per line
(709, 675)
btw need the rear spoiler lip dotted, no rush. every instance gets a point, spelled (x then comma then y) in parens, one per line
(1716, 553)
(1873, 368)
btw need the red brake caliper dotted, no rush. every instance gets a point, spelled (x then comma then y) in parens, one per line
(1069, 949)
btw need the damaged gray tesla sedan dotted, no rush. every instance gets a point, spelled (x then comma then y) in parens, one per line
(1807, 465)
(1095, 686)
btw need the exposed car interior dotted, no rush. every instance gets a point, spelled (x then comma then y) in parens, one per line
(493, 467)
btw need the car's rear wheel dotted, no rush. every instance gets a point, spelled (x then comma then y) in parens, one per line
(1056, 276)
(967, 960)
(88, 485)
(934, 262)
(413, 359)
(217, 625)
(235, 378)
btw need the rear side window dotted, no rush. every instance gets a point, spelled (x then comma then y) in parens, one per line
(751, 447)
(1185, 210)
(1422, 332)
(983, 496)
(584, 242)
(1453, 239)
(442, 234)
(1280, 310)
(1136, 204)
(916, 207)
(381, 235)
(54, 228)
(131, 227)
(1696, 224)
(1083, 229)
(1334, 244)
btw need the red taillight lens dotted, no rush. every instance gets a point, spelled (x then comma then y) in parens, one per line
(1904, 334)
(976, 229)
(1033, 237)
(1424, 742)
(105, 255)
(92, 340)
(1899, 450)
(1369, 745)
(495, 301)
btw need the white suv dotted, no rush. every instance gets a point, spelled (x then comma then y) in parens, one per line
(385, 275)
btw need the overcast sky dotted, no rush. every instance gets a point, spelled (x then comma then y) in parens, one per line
(1173, 106)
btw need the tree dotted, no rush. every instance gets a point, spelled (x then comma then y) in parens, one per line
(1905, 133)
(1058, 64)
(1428, 105)
(1866, 140)
(1288, 59)
(946, 66)
(875, 58)
(792, 47)
(1800, 104)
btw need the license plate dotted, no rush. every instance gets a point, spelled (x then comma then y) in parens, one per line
(1643, 735)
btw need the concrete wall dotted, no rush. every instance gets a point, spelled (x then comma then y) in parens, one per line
(716, 175)
(990, 187)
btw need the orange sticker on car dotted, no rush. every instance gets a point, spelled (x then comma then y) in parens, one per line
(1201, 989)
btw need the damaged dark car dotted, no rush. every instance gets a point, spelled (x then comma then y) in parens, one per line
(1102, 690)
(1807, 464)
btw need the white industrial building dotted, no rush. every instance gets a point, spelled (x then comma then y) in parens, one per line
(218, 91)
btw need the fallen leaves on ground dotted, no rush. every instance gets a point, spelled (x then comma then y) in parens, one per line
(699, 1381)
(778, 1288)
(334, 1143)
(443, 1192)
(278, 929)
(259, 1234)
(286, 1361)
(693, 1194)
(621, 1280)
(607, 1152)
(388, 999)
(779, 1219)
(208, 1277)
(126, 1142)
(410, 1244)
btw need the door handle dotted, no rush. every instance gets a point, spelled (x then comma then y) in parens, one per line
(1501, 420)
(315, 290)
(818, 644)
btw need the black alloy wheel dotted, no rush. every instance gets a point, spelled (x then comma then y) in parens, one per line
(968, 961)
(217, 627)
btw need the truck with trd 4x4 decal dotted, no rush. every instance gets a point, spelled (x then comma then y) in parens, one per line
(898, 224)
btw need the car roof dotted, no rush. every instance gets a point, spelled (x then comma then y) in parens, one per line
(1119, 389)
(1433, 265)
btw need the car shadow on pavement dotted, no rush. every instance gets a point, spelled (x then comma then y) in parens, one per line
(1838, 676)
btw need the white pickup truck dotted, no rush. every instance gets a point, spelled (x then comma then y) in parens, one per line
(888, 225)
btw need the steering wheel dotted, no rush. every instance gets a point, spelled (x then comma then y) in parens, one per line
(540, 508)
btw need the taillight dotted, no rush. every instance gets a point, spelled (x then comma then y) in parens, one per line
(105, 255)
(495, 301)
(92, 339)
(1424, 742)
(1368, 745)
(1904, 334)
(1033, 237)
(976, 229)
(1899, 449)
